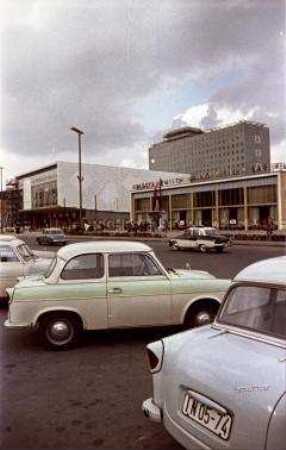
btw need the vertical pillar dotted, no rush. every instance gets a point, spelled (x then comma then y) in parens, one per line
(217, 209)
(170, 212)
(192, 207)
(245, 207)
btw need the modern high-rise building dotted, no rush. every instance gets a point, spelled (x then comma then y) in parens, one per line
(238, 149)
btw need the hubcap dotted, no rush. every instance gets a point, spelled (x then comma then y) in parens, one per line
(203, 317)
(60, 332)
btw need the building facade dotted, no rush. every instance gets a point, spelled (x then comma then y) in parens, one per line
(51, 194)
(243, 202)
(242, 148)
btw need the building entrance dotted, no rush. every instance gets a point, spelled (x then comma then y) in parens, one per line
(207, 217)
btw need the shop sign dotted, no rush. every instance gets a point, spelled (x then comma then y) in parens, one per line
(44, 177)
(156, 184)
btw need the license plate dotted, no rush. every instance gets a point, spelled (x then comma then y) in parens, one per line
(216, 421)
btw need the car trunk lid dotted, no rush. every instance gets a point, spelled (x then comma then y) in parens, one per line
(230, 377)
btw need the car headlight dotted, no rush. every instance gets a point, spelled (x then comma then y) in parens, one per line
(155, 353)
(10, 293)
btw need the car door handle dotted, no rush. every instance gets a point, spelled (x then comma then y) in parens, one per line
(115, 291)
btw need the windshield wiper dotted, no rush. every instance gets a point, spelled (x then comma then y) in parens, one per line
(170, 269)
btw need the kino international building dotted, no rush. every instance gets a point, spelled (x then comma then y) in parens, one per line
(246, 201)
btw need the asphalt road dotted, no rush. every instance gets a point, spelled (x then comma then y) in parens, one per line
(91, 397)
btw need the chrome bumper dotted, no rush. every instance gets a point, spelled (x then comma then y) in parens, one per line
(18, 326)
(152, 411)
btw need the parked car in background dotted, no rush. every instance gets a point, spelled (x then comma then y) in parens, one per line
(52, 236)
(200, 238)
(111, 284)
(17, 260)
(223, 385)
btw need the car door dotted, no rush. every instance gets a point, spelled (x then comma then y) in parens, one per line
(11, 267)
(188, 240)
(138, 291)
(82, 285)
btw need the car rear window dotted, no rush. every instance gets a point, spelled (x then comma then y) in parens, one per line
(256, 308)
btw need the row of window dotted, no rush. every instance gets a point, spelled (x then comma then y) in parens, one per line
(227, 197)
(92, 266)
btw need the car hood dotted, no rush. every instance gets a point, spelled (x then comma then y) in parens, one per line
(245, 376)
(191, 274)
(39, 265)
(44, 254)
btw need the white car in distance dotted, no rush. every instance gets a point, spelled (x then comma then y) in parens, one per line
(18, 260)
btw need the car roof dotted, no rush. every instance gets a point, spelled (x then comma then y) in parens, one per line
(77, 248)
(272, 270)
(202, 228)
(7, 238)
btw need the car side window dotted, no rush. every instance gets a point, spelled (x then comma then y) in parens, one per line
(84, 267)
(7, 254)
(132, 265)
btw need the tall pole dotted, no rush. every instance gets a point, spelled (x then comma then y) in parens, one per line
(80, 178)
(1, 210)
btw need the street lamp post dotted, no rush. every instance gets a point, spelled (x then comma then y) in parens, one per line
(1, 210)
(80, 178)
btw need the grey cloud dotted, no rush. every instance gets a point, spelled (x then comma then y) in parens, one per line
(93, 63)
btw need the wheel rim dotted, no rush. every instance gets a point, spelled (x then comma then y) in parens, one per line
(203, 248)
(203, 317)
(60, 332)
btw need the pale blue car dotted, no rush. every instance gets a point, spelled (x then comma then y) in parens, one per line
(223, 386)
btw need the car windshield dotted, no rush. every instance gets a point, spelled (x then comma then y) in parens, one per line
(256, 308)
(51, 267)
(211, 231)
(54, 231)
(25, 252)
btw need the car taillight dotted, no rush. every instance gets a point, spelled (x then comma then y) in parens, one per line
(155, 352)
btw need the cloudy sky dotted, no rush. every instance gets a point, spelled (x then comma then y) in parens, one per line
(125, 71)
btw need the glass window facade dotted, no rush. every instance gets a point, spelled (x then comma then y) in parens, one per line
(44, 194)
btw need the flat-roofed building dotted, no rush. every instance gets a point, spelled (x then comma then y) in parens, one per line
(50, 194)
(237, 149)
(245, 202)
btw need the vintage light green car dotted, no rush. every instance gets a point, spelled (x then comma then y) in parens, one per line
(110, 284)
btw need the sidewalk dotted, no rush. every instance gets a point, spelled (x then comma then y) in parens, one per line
(164, 236)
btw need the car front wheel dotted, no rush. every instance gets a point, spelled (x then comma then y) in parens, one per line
(203, 248)
(200, 315)
(60, 331)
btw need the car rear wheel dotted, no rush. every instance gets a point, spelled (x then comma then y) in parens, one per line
(201, 314)
(219, 249)
(203, 248)
(60, 331)
(175, 246)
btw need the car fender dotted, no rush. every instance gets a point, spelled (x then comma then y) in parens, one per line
(276, 433)
(200, 298)
(56, 309)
